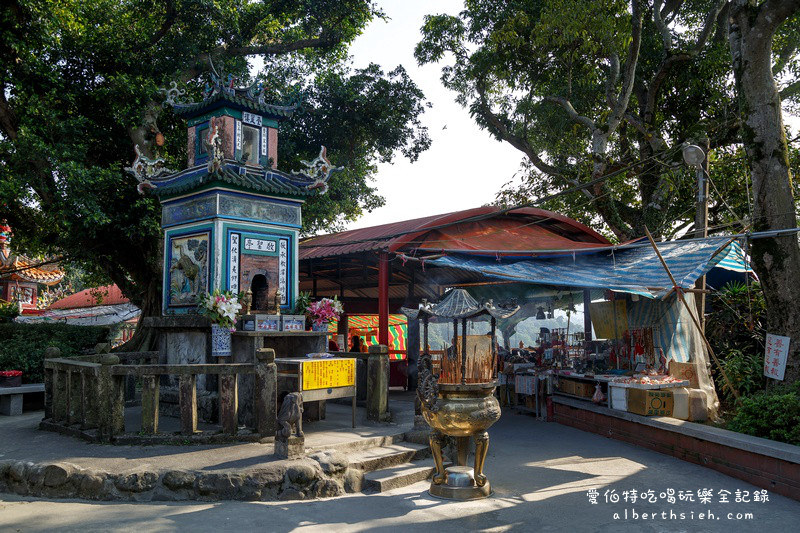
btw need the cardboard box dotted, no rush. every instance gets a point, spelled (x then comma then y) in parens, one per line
(268, 322)
(650, 402)
(689, 404)
(684, 371)
(295, 323)
(566, 386)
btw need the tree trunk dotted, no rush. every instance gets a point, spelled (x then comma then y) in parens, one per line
(144, 338)
(777, 259)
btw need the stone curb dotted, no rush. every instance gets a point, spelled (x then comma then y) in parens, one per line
(321, 475)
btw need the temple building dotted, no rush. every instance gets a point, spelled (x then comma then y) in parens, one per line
(231, 219)
(20, 276)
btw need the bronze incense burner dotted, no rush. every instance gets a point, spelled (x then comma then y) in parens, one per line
(459, 401)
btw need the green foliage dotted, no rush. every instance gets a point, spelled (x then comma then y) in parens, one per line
(302, 302)
(735, 331)
(22, 346)
(8, 311)
(511, 62)
(80, 88)
(774, 414)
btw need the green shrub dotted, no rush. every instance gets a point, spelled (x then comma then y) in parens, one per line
(8, 311)
(774, 414)
(22, 346)
(736, 332)
(746, 372)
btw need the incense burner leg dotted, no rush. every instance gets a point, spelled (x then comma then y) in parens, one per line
(436, 440)
(462, 450)
(481, 449)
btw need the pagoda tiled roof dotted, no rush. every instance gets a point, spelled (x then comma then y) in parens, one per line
(237, 101)
(21, 268)
(248, 178)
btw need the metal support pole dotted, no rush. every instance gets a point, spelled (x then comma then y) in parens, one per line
(383, 299)
(701, 226)
(463, 350)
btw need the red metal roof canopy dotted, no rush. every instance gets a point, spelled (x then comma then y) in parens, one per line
(107, 295)
(481, 228)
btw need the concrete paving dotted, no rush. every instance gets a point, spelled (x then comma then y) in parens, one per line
(541, 474)
(20, 439)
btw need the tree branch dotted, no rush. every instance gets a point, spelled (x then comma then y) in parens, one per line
(711, 19)
(773, 13)
(613, 76)
(503, 132)
(567, 106)
(666, 35)
(790, 90)
(785, 55)
(170, 18)
(326, 39)
(630, 69)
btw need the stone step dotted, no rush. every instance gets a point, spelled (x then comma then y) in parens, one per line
(398, 476)
(387, 456)
(358, 444)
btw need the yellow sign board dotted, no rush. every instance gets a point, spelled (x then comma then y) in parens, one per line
(329, 373)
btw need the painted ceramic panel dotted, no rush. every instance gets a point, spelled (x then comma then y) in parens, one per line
(220, 341)
(187, 210)
(188, 269)
(258, 210)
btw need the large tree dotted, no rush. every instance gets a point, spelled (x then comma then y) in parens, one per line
(601, 96)
(776, 259)
(79, 87)
(589, 89)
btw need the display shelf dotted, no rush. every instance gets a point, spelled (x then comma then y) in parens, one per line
(572, 395)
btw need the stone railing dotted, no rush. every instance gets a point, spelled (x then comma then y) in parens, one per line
(81, 394)
(85, 396)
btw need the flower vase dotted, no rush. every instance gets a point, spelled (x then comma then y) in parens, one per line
(220, 341)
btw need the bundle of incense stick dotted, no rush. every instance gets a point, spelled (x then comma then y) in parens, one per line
(479, 367)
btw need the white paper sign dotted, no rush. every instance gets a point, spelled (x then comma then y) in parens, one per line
(776, 352)
(233, 282)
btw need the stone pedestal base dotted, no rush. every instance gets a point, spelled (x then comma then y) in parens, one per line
(11, 405)
(459, 484)
(290, 448)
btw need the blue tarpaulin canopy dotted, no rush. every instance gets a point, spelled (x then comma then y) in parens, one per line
(633, 268)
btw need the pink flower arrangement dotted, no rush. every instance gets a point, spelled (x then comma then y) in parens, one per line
(325, 311)
(10, 373)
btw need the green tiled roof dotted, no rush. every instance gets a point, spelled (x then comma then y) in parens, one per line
(235, 100)
(265, 182)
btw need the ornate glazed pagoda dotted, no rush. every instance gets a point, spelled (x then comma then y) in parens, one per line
(20, 276)
(231, 220)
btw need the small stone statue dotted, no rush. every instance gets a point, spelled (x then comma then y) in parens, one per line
(291, 415)
(278, 295)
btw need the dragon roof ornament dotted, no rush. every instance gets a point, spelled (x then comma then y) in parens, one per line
(318, 170)
(144, 169)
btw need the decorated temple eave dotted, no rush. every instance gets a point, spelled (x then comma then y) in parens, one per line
(22, 269)
(234, 175)
(233, 101)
